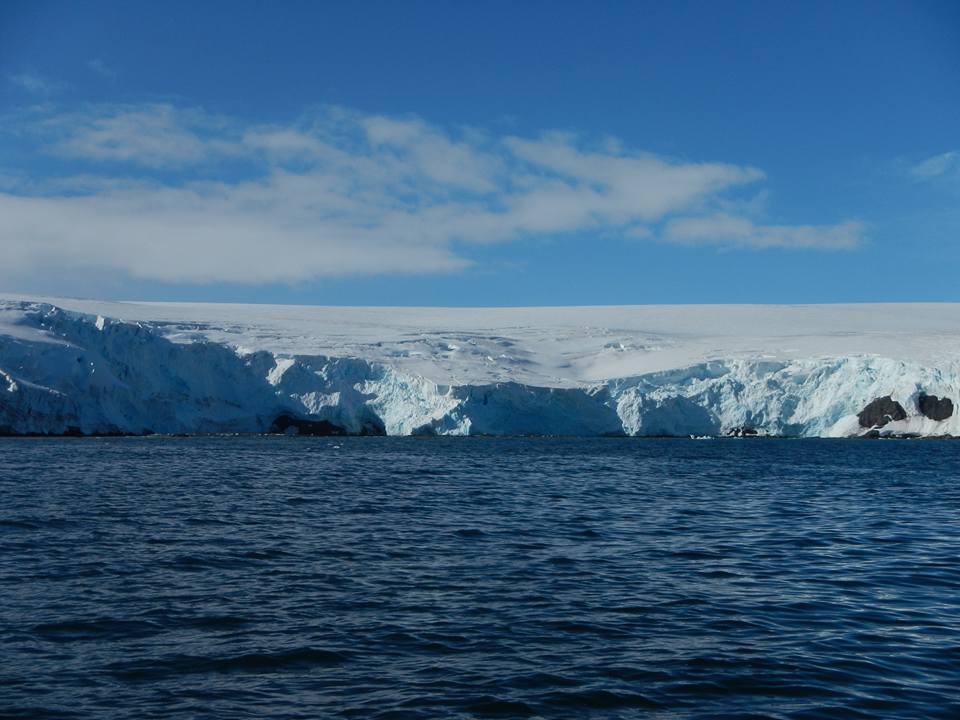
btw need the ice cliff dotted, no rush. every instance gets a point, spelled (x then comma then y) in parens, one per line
(67, 371)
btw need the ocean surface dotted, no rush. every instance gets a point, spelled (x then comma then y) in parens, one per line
(274, 577)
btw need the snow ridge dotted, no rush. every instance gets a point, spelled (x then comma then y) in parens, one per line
(68, 372)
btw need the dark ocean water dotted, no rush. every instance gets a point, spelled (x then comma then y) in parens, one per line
(431, 578)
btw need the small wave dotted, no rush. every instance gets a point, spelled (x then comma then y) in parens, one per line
(539, 680)
(216, 622)
(432, 645)
(494, 707)
(99, 629)
(202, 563)
(584, 628)
(470, 533)
(695, 555)
(600, 700)
(297, 659)
(269, 554)
(19, 525)
(632, 609)
(37, 713)
(31, 524)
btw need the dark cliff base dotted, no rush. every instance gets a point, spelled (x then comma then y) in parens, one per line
(289, 425)
(872, 418)
(336, 431)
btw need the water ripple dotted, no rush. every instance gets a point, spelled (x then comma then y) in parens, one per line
(479, 578)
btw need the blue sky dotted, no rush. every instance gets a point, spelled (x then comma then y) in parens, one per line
(481, 154)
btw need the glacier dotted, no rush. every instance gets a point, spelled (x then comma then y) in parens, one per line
(82, 367)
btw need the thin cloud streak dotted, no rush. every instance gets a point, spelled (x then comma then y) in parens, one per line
(937, 166)
(726, 230)
(33, 83)
(98, 66)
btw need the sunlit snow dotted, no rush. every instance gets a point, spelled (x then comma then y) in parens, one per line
(648, 370)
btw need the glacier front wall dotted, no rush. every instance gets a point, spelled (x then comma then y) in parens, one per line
(63, 372)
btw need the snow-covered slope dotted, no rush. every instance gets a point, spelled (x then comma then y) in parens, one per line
(97, 367)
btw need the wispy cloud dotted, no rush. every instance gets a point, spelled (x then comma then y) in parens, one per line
(153, 136)
(33, 83)
(721, 229)
(176, 194)
(98, 66)
(937, 166)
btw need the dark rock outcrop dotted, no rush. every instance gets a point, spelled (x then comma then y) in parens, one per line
(879, 412)
(745, 431)
(934, 407)
(373, 426)
(289, 425)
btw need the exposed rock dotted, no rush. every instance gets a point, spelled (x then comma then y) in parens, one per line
(935, 408)
(289, 425)
(425, 430)
(744, 431)
(372, 426)
(881, 411)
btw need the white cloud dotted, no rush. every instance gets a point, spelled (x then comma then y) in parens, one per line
(98, 66)
(452, 164)
(722, 229)
(178, 195)
(156, 135)
(936, 166)
(33, 83)
(183, 238)
(621, 186)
